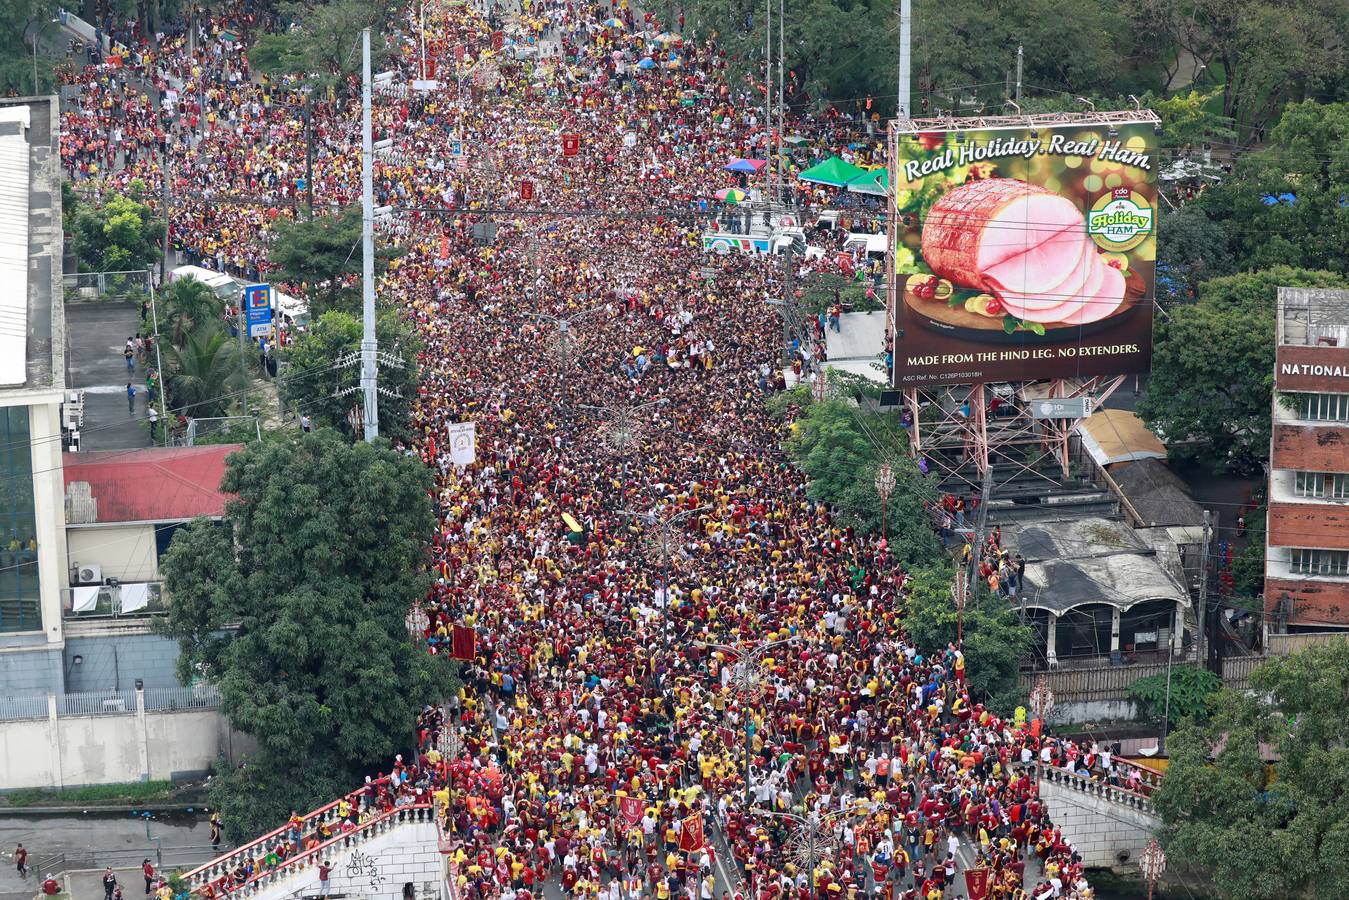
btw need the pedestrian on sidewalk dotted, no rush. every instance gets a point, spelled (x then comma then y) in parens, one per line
(129, 354)
(154, 422)
(109, 883)
(21, 861)
(131, 398)
(148, 870)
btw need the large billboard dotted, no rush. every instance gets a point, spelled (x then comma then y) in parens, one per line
(1024, 251)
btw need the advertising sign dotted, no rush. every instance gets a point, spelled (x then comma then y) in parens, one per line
(1024, 251)
(258, 310)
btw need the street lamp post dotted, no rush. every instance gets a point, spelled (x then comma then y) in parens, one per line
(814, 838)
(1151, 864)
(37, 36)
(1041, 702)
(565, 341)
(885, 483)
(624, 427)
(666, 529)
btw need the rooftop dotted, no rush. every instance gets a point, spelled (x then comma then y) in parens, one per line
(1310, 317)
(1092, 560)
(160, 484)
(1157, 494)
(32, 330)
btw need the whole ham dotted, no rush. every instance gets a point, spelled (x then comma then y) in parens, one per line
(1025, 245)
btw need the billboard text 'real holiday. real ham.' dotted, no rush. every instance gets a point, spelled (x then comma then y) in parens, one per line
(1024, 252)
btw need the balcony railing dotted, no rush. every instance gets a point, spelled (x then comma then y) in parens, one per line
(113, 601)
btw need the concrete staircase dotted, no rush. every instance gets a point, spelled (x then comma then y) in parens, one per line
(374, 859)
(1108, 825)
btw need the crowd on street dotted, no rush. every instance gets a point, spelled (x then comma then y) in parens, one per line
(704, 689)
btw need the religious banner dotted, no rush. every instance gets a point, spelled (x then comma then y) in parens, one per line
(463, 643)
(463, 443)
(631, 808)
(691, 837)
(976, 882)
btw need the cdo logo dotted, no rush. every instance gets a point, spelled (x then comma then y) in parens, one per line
(1120, 220)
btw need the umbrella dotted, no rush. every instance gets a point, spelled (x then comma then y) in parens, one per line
(749, 166)
(666, 37)
(730, 196)
(647, 63)
(833, 172)
(612, 23)
(795, 139)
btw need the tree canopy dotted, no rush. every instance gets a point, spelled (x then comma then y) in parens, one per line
(839, 448)
(1213, 368)
(323, 43)
(294, 606)
(313, 381)
(121, 235)
(1258, 795)
(322, 258)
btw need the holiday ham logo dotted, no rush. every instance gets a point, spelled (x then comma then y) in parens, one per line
(1024, 252)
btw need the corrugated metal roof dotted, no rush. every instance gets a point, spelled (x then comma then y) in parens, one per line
(161, 484)
(14, 257)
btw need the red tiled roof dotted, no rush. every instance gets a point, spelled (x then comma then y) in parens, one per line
(158, 484)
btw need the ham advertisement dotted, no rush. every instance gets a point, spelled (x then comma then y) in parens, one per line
(1024, 252)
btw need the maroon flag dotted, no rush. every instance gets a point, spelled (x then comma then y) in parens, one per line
(463, 643)
(632, 809)
(691, 837)
(976, 882)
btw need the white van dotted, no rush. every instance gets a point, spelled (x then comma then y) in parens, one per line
(292, 309)
(224, 287)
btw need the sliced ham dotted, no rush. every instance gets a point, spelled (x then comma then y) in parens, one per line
(983, 223)
(1056, 313)
(1022, 302)
(1108, 298)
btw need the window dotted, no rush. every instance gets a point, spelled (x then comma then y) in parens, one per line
(1328, 485)
(19, 593)
(1321, 562)
(1325, 407)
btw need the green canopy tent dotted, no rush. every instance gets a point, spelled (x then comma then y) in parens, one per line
(875, 181)
(833, 172)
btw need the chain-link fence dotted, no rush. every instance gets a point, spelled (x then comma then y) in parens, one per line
(88, 286)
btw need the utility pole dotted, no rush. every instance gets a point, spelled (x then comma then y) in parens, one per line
(309, 150)
(369, 346)
(768, 99)
(1019, 59)
(164, 173)
(1203, 614)
(782, 97)
(902, 110)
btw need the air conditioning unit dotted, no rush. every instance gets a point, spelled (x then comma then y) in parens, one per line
(88, 573)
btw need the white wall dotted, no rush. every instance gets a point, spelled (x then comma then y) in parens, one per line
(72, 751)
(126, 552)
(375, 869)
(1099, 827)
(49, 493)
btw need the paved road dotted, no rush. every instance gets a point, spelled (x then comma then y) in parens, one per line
(119, 841)
(95, 335)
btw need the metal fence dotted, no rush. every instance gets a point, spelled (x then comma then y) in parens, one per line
(14, 709)
(110, 703)
(106, 285)
(200, 696)
(1113, 682)
(96, 703)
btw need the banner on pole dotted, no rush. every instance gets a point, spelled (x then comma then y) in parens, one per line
(463, 443)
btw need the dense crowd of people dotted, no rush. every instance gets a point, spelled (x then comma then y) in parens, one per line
(682, 666)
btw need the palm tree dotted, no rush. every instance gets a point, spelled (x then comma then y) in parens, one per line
(203, 372)
(188, 304)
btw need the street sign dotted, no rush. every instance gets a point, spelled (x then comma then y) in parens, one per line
(1061, 408)
(456, 147)
(258, 310)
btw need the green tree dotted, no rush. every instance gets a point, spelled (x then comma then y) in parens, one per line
(187, 304)
(1307, 168)
(294, 606)
(322, 256)
(1213, 369)
(1192, 247)
(839, 448)
(994, 640)
(324, 42)
(1190, 688)
(313, 380)
(1267, 831)
(203, 374)
(121, 235)
(20, 22)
